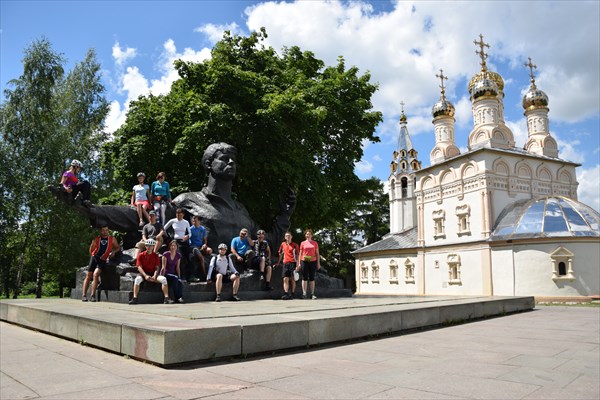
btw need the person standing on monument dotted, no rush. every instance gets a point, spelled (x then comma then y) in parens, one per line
(148, 265)
(221, 271)
(310, 260)
(140, 198)
(241, 250)
(199, 248)
(161, 195)
(171, 270)
(101, 249)
(288, 251)
(262, 258)
(181, 229)
(79, 189)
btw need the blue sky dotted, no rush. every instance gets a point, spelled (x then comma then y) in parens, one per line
(402, 44)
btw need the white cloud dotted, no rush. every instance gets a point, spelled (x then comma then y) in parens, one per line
(404, 48)
(121, 55)
(363, 167)
(589, 186)
(134, 84)
(214, 32)
(377, 157)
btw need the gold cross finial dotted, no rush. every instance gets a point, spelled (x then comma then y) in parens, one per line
(531, 67)
(442, 77)
(482, 45)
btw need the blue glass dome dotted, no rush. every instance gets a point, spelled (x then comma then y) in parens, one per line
(546, 217)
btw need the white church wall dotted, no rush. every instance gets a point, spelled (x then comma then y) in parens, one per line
(387, 275)
(534, 269)
(438, 279)
(503, 271)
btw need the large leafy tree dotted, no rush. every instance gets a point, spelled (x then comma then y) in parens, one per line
(295, 122)
(47, 119)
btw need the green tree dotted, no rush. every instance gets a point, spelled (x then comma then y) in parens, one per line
(367, 223)
(47, 119)
(295, 122)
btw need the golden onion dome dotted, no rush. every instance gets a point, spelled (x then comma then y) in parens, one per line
(490, 75)
(443, 107)
(535, 98)
(484, 87)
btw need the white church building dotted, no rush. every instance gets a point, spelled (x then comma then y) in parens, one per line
(499, 219)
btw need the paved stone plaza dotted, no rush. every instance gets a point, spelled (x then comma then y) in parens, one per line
(547, 353)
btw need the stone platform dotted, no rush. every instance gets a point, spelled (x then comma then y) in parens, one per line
(169, 335)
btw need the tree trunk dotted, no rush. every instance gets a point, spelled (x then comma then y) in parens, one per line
(38, 279)
(21, 264)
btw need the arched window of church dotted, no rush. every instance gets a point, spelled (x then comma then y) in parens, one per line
(562, 268)
(404, 184)
(364, 273)
(409, 271)
(402, 153)
(453, 261)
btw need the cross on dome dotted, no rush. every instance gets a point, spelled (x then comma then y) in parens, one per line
(481, 51)
(442, 77)
(531, 68)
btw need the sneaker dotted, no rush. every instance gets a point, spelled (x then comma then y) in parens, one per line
(180, 300)
(303, 296)
(168, 301)
(84, 299)
(285, 297)
(236, 298)
(218, 299)
(194, 280)
(93, 299)
(133, 301)
(313, 297)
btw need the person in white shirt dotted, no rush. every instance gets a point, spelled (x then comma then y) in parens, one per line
(140, 198)
(221, 271)
(182, 231)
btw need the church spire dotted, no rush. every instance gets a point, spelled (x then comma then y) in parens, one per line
(535, 103)
(405, 156)
(443, 121)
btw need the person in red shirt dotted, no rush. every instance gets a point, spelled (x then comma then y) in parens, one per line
(101, 248)
(309, 257)
(288, 251)
(148, 265)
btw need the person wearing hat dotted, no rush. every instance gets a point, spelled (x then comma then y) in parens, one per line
(140, 198)
(148, 265)
(152, 230)
(221, 271)
(288, 251)
(242, 253)
(79, 189)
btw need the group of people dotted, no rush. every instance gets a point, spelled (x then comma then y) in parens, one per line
(190, 241)
(156, 197)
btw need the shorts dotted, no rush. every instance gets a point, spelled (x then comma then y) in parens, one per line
(141, 245)
(196, 251)
(288, 270)
(96, 262)
(144, 203)
(309, 268)
(255, 263)
(226, 277)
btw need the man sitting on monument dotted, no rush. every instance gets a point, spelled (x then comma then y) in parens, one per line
(152, 230)
(199, 249)
(241, 250)
(101, 248)
(148, 265)
(262, 258)
(221, 271)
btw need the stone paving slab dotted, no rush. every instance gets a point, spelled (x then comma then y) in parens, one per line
(168, 335)
(34, 365)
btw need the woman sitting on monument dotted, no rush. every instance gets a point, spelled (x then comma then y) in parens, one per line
(171, 263)
(79, 189)
(140, 198)
(161, 196)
